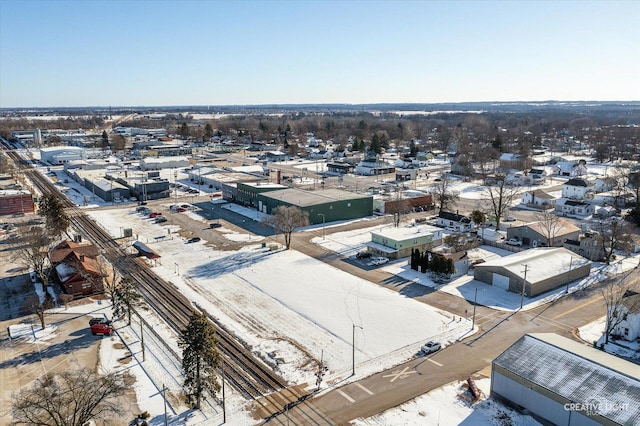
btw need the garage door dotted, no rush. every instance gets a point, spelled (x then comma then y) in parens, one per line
(501, 281)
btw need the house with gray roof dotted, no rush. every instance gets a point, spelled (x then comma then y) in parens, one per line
(563, 382)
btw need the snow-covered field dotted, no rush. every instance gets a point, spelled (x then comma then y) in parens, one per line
(281, 301)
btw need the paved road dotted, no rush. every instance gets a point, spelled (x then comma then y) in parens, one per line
(498, 330)
(387, 389)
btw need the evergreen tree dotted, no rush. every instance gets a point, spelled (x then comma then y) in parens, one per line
(208, 133)
(56, 217)
(183, 131)
(376, 144)
(104, 142)
(451, 268)
(200, 358)
(424, 262)
(124, 298)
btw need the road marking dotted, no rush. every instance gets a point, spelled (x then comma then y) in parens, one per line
(400, 374)
(574, 309)
(347, 397)
(363, 388)
(435, 362)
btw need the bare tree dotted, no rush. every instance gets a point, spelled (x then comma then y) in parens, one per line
(398, 205)
(34, 305)
(285, 219)
(500, 196)
(620, 300)
(550, 225)
(72, 398)
(34, 253)
(443, 195)
(614, 235)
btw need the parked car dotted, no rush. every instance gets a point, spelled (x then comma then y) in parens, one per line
(363, 255)
(154, 214)
(514, 242)
(181, 210)
(215, 225)
(378, 261)
(430, 347)
(160, 219)
(102, 329)
(509, 219)
(99, 320)
(193, 240)
(19, 214)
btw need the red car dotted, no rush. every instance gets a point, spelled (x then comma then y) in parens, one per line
(102, 328)
(181, 209)
(154, 214)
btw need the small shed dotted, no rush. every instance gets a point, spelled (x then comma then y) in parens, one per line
(144, 250)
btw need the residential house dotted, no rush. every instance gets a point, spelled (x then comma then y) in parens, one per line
(396, 243)
(511, 161)
(570, 168)
(604, 184)
(461, 260)
(577, 189)
(76, 268)
(574, 208)
(454, 222)
(538, 199)
(629, 309)
(544, 233)
(588, 245)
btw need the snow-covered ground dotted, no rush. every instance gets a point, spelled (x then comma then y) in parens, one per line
(290, 307)
(447, 406)
(594, 332)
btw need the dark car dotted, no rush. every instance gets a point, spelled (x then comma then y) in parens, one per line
(193, 240)
(215, 225)
(363, 255)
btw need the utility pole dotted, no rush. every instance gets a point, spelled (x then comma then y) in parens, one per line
(569, 278)
(224, 411)
(164, 389)
(524, 282)
(475, 298)
(141, 337)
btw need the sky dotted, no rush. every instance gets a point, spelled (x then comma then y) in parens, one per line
(156, 53)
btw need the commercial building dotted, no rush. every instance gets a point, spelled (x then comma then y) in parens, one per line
(398, 242)
(327, 205)
(539, 269)
(15, 201)
(563, 382)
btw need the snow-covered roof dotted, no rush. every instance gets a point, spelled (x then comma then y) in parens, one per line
(543, 263)
(407, 232)
(577, 372)
(65, 272)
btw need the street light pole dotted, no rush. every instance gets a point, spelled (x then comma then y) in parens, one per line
(323, 222)
(353, 349)
(177, 268)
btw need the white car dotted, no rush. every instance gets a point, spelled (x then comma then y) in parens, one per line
(430, 347)
(378, 261)
(514, 242)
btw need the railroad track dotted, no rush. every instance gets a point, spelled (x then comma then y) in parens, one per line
(250, 376)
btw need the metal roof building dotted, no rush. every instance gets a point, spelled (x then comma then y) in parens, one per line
(563, 382)
(547, 268)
